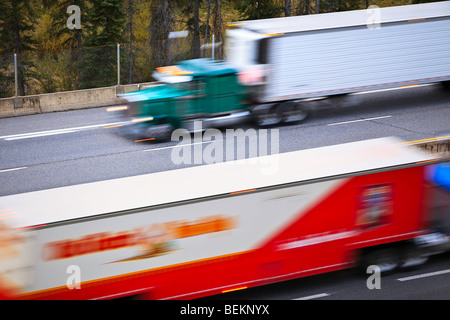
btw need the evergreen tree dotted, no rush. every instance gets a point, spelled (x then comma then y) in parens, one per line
(70, 40)
(206, 28)
(287, 8)
(15, 26)
(6, 78)
(107, 22)
(73, 37)
(341, 5)
(130, 29)
(422, 1)
(105, 25)
(218, 24)
(303, 7)
(191, 10)
(259, 9)
(196, 22)
(159, 32)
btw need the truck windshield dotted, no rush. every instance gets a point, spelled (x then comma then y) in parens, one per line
(193, 86)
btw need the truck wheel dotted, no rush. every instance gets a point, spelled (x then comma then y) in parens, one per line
(386, 259)
(161, 132)
(268, 117)
(292, 112)
(414, 262)
(412, 257)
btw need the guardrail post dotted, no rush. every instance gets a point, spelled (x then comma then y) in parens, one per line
(212, 47)
(118, 64)
(15, 76)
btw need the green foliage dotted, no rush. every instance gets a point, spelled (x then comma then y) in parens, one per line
(190, 9)
(16, 21)
(422, 1)
(260, 9)
(53, 57)
(159, 32)
(15, 26)
(105, 25)
(340, 5)
(56, 71)
(6, 76)
(107, 22)
(70, 38)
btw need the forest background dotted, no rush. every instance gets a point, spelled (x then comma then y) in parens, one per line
(53, 55)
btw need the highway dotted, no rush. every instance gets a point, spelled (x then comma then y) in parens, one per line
(66, 148)
(430, 281)
(58, 149)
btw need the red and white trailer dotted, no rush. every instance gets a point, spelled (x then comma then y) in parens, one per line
(209, 229)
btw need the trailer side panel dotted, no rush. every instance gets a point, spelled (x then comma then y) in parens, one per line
(336, 61)
(202, 248)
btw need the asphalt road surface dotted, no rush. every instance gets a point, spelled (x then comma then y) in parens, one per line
(65, 148)
(430, 281)
(58, 149)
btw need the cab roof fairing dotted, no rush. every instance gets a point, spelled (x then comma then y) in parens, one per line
(159, 76)
(207, 67)
(189, 70)
(160, 92)
(134, 96)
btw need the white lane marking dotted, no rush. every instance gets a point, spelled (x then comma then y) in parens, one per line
(178, 145)
(359, 120)
(12, 169)
(56, 131)
(40, 135)
(316, 296)
(424, 275)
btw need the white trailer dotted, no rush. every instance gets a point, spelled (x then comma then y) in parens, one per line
(345, 52)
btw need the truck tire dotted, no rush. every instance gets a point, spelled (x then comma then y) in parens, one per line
(292, 112)
(414, 261)
(266, 117)
(446, 85)
(387, 259)
(412, 256)
(160, 132)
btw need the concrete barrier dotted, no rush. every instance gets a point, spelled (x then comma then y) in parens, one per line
(439, 147)
(64, 101)
(7, 107)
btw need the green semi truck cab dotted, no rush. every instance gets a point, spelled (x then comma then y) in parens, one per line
(194, 90)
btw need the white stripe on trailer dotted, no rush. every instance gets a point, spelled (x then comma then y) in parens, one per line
(86, 200)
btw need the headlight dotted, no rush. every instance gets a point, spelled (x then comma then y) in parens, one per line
(142, 119)
(118, 108)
